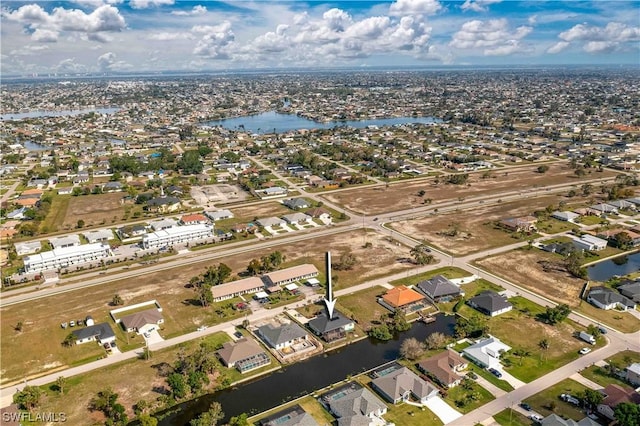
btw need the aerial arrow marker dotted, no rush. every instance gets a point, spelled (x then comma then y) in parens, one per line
(329, 300)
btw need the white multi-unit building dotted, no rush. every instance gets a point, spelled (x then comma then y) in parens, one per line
(66, 256)
(177, 235)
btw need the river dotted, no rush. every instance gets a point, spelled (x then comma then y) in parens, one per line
(603, 271)
(269, 121)
(304, 377)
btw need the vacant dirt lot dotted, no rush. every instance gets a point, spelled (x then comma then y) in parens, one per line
(249, 213)
(539, 271)
(38, 347)
(404, 195)
(470, 231)
(94, 209)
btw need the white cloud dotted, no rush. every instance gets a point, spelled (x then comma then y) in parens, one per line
(412, 7)
(597, 39)
(143, 4)
(197, 10)
(45, 36)
(558, 47)
(494, 36)
(105, 61)
(215, 42)
(169, 36)
(47, 27)
(70, 65)
(478, 5)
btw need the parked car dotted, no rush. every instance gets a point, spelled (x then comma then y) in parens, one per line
(584, 351)
(63, 325)
(472, 375)
(602, 330)
(570, 399)
(525, 406)
(238, 334)
(146, 335)
(72, 323)
(536, 418)
(495, 372)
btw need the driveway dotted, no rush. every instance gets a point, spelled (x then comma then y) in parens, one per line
(444, 411)
(516, 383)
(154, 337)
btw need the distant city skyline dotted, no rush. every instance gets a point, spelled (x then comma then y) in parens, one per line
(133, 36)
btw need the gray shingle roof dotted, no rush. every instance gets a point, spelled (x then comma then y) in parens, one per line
(100, 331)
(438, 286)
(279, 335)
(322, 324)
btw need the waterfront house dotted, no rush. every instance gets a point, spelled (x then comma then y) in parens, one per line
(403, 298)
(353, 404)
(399, 384)
(292, 416)
(631, 290)
(244, 354)
(283, 335)
(590, 243)
(331, 329)
(439, 289)
(606, 298)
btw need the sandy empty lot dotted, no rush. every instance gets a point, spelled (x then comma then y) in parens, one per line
(94, 209)
(404, 195)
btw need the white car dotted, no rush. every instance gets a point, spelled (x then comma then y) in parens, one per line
(536, 418)
(584, 351)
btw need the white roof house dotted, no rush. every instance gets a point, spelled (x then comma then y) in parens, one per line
(65, 241)
(28, 247)
(177, 235)
(565, 216)
(590, 243)
(165, 223)
(297, 218)
(98, 235)
(219, 215)
(486, 353)
(270, 221)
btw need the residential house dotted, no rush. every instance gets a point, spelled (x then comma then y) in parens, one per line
(589, 243)
(292, 416)
(354, 405)
(610, 235)
(269, 222)
(236, 288)
(101, 333)
(622, 204)
(296, 203)
(131, 231)
(632, 374)
(565, 216)
(556, 420)
(319, 213)
(520, 224)
(142, 322)
(112, 187)
(400, 384)
(290, 275)
(606, 298)
(283, 335)
(331, 329)
(244, 354)
(17, 214)
(219, 215)
(604, 209)
(64, 241)
(403, 298)
(297, 218)
(98, 235)
(274, 191)
(194, 219)
(67, 190)
(490, 303)
(164, 223)
(163, 204)
(486, 353)
(614, 395)
(444, 368)
(439, 289)
(28, 247)
(631, 291)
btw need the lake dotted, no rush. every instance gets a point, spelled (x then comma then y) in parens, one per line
(602, 271)
(61, 113)
(268, 121)
(303, 378)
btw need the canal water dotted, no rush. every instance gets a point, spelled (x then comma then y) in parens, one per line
(622, 265)
(267, 122)
(305, 377)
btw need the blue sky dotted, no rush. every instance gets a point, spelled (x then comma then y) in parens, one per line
(103, 36)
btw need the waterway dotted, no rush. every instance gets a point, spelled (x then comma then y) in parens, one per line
(602, 271)
(271, 121)
(305, 377)
(60, 113)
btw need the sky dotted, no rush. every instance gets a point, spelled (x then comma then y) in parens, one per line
(133, 36)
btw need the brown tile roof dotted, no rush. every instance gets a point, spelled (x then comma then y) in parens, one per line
(441, 366)
(401, 295)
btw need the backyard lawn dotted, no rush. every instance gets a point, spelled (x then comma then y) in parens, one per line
(405, 414)
(466, 398)
(363, 305)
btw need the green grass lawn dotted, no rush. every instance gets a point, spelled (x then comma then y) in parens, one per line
(592, 220)
(363, 305)
(308, 403)
(467, 400)
(448, 272)
(622, 321)
(511, 417)
(404, 414)
(601, 377)
(57, 213)
(554, 226)
(501, 384)
(548, 401)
